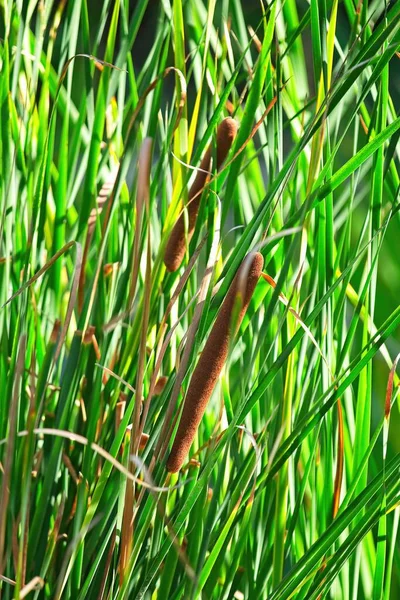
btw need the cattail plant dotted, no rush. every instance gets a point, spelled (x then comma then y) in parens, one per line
(213, 357)
(176, 245)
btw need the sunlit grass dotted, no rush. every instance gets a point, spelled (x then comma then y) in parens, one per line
(291, 485)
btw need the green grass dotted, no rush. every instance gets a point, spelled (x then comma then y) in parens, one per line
(293, 487)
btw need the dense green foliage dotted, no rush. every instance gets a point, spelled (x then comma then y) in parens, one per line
(293, 487)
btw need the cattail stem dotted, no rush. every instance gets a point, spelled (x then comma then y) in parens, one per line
(176, 245)
(213, 358)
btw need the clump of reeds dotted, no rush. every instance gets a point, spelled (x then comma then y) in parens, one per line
(213, 357)
(176, 245)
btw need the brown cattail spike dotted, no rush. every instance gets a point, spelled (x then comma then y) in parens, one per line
(213, 357)
(160, 385)
(176, 245)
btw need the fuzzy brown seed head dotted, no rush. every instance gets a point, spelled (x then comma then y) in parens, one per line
(176, 245)
(160, 385)
(213, 357)
(226, 133)
(144, 438)
(56, 331)
(88, 335)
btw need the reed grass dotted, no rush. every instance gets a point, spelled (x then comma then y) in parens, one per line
(147, 149)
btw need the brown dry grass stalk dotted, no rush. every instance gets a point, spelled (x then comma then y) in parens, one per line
(213, 357)
(9, 455)
(176, 245)
(144, 201)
